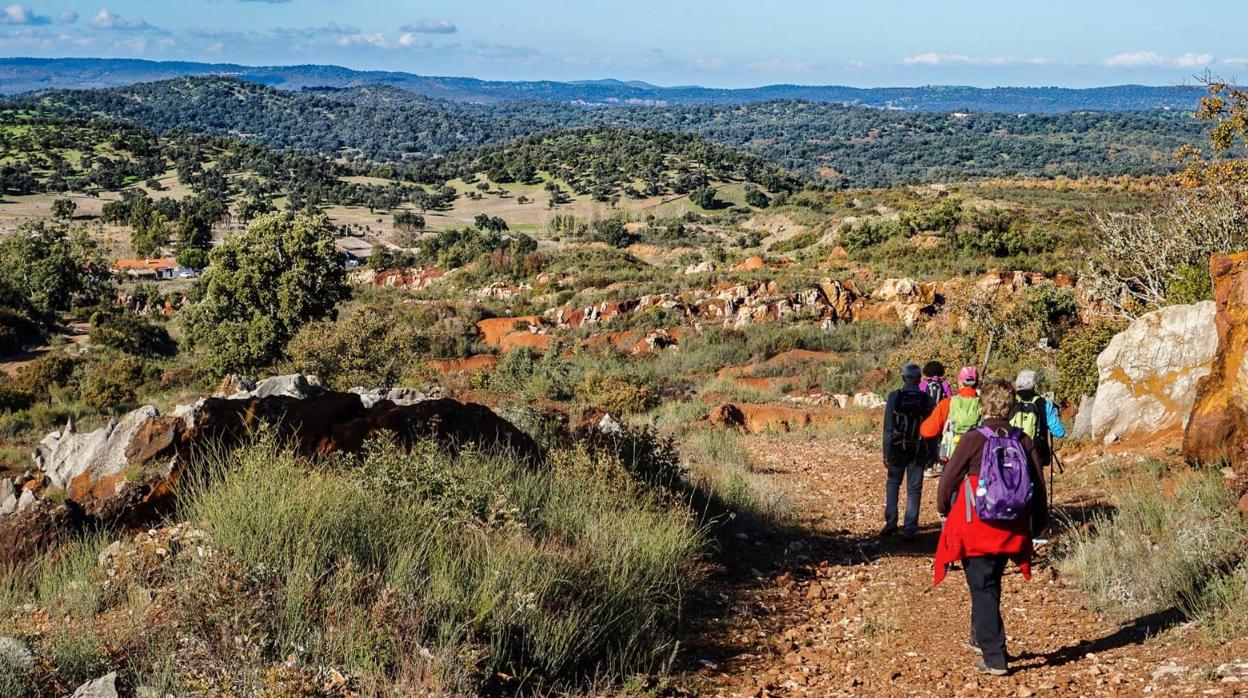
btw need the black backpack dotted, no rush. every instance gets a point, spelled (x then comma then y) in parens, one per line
(936, 389)
(910, 408)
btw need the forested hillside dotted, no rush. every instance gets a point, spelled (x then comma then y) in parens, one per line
(45, 154)
(29, 74)
(848, 146)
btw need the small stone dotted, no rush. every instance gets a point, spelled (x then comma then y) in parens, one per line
(103, 687)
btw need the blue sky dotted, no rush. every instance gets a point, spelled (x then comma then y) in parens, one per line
(727, 43)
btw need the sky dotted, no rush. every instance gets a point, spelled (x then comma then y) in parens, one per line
(720, 43)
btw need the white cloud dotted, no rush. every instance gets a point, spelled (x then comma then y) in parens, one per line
(20, 14)
(67, 17)
(375, 40)
(113, 22)
(937, 59)
(1152, 59)
(410, 40)
(780, 65)
(1194, 60)
(1235, 61)
(431, 26)
(709, 63)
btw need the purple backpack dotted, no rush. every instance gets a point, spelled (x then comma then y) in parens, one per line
(1004, 477)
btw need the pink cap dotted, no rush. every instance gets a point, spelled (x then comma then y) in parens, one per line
(969, 375)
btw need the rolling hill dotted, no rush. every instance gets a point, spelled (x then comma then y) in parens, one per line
(845, 145)
(18, 75)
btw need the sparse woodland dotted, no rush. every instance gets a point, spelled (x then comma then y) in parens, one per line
(664, 311)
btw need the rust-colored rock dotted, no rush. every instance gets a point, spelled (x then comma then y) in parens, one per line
(448, 422)
(157, 439)
(758, 418)
(37, 528)
(494, 329)
(129, 472)
(471, 364)
(1218, 427)
(751, 264)
(533, 340)
(414, 278)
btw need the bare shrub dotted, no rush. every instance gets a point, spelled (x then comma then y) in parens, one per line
(1136, 256)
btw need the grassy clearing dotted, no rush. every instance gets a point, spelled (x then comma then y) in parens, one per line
(1165, 549)
(409, 573)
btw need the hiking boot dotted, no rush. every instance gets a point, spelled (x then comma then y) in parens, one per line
(933, 472)
(990, 670)
(888, 530)
(970, 643)
(907, 535)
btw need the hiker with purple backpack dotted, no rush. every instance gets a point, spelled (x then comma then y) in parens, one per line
(938, 390)
(992, 497)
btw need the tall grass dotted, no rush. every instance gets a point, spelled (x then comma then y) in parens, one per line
(721, 466)
(1160, 550)
(486, 565)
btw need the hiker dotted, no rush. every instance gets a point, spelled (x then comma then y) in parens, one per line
(953, 417)
(934, 383)
(991, 513)
(905, 454)
(937, 388)
(1036, 416)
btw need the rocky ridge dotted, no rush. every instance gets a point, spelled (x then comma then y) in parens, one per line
(128, 472)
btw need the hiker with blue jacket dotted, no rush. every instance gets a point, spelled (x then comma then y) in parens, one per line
(905, 452)
(1036, 416)
(992, 497)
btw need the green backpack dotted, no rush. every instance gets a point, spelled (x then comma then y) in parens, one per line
(1028, 415)
(963, 417)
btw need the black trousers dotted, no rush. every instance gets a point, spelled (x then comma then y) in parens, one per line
(983, 578)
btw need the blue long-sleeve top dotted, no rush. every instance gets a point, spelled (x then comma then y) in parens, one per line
(1054, 418)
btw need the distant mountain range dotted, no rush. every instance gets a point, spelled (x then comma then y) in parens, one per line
(20, 75)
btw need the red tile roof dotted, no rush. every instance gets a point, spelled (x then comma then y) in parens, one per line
(144, 264)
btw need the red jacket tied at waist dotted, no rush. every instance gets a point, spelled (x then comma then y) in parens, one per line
(963, 538)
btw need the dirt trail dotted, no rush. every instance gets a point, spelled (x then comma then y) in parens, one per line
(828, 609)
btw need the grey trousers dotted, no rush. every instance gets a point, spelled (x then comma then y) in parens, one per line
(912, 472)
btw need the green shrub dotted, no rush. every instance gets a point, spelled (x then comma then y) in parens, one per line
(110, 384)
(1077, 374)
(868, 232)
(371, 347)
(18, 332)
(263, 285)
(942, 216)
(616, 394)
(797, 242)
(40, 376)
(1189, 284)
(131, 334)
(1158, 551)
(14, 400)
(525, 372)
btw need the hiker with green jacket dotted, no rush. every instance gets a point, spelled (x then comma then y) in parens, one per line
(1036, 416)
(953, 417)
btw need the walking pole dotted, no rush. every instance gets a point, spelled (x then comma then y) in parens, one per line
(1055, 464)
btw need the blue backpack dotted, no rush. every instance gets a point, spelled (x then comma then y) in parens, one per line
(1005, 486)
